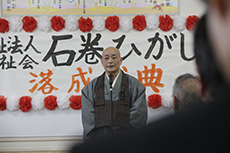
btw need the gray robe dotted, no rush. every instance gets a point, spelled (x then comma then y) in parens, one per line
(138, 109)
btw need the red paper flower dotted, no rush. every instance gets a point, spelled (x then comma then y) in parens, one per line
(4, 25)
(85, 25)
(112, 23)
(191, 22)
(50, 102)
(57, 23)
(75, 102)
(29, 23)
(25, 103)
(139, 22)
(154, 101)
(2, 103)
(166, 22)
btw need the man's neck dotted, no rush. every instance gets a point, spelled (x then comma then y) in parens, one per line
(114, 74)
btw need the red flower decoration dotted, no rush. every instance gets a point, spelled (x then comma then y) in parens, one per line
(85, 25)
(112, 23)
(191, 22)
(2, 103)
(50, 102)
(75, 102)
(29, 23)
(25, 103)
(57, 23)
(4, 25)
(166, 22)
(154, 101)
(139, 22)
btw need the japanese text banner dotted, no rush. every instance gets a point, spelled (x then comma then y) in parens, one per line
(62, 63)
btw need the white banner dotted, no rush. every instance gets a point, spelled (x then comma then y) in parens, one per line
(62, 63)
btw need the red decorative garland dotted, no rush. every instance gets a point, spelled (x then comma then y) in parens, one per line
(57, 23)
(85, 25)
(154, 101)
(2, 103)
(29, 23)
(166, 22)
(50, 102)
(75, 102)
(25, 103)
(191, 22)
(112, 23)
(139, 22)
(4, 25)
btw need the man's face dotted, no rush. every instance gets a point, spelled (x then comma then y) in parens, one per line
(111, 60)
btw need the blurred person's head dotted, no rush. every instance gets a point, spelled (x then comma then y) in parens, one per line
(186, 92)
(212, 49)
(218, 27)
(208, 69)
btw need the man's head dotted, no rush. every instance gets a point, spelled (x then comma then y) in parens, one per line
(218, 27)
(111, 60)
(209, 67)
(186, 92)
(212, 48)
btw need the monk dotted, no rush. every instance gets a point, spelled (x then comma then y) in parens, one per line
(129, 109)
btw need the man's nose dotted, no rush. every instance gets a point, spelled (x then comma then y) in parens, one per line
(110, 59)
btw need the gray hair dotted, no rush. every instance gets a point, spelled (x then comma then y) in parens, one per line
(186, 91)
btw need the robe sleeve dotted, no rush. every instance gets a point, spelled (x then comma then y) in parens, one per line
(138, 110)
(87, 110)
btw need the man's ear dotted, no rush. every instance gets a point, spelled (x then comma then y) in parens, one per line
(101, 61)
(121, 59)
(202, 86)
(175, 103)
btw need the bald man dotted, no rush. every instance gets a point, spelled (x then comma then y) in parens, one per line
(129, 107)
(185, 92)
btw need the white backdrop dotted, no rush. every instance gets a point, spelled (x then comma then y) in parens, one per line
(68, 122)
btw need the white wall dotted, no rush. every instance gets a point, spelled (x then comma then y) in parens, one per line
(190, 7)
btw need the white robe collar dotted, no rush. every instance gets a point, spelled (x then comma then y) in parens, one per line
(115, 80)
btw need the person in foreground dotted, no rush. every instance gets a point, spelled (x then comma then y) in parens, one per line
(129, 109)
(185, 92)
(202, 129)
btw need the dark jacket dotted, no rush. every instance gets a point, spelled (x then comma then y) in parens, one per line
(203, 129)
